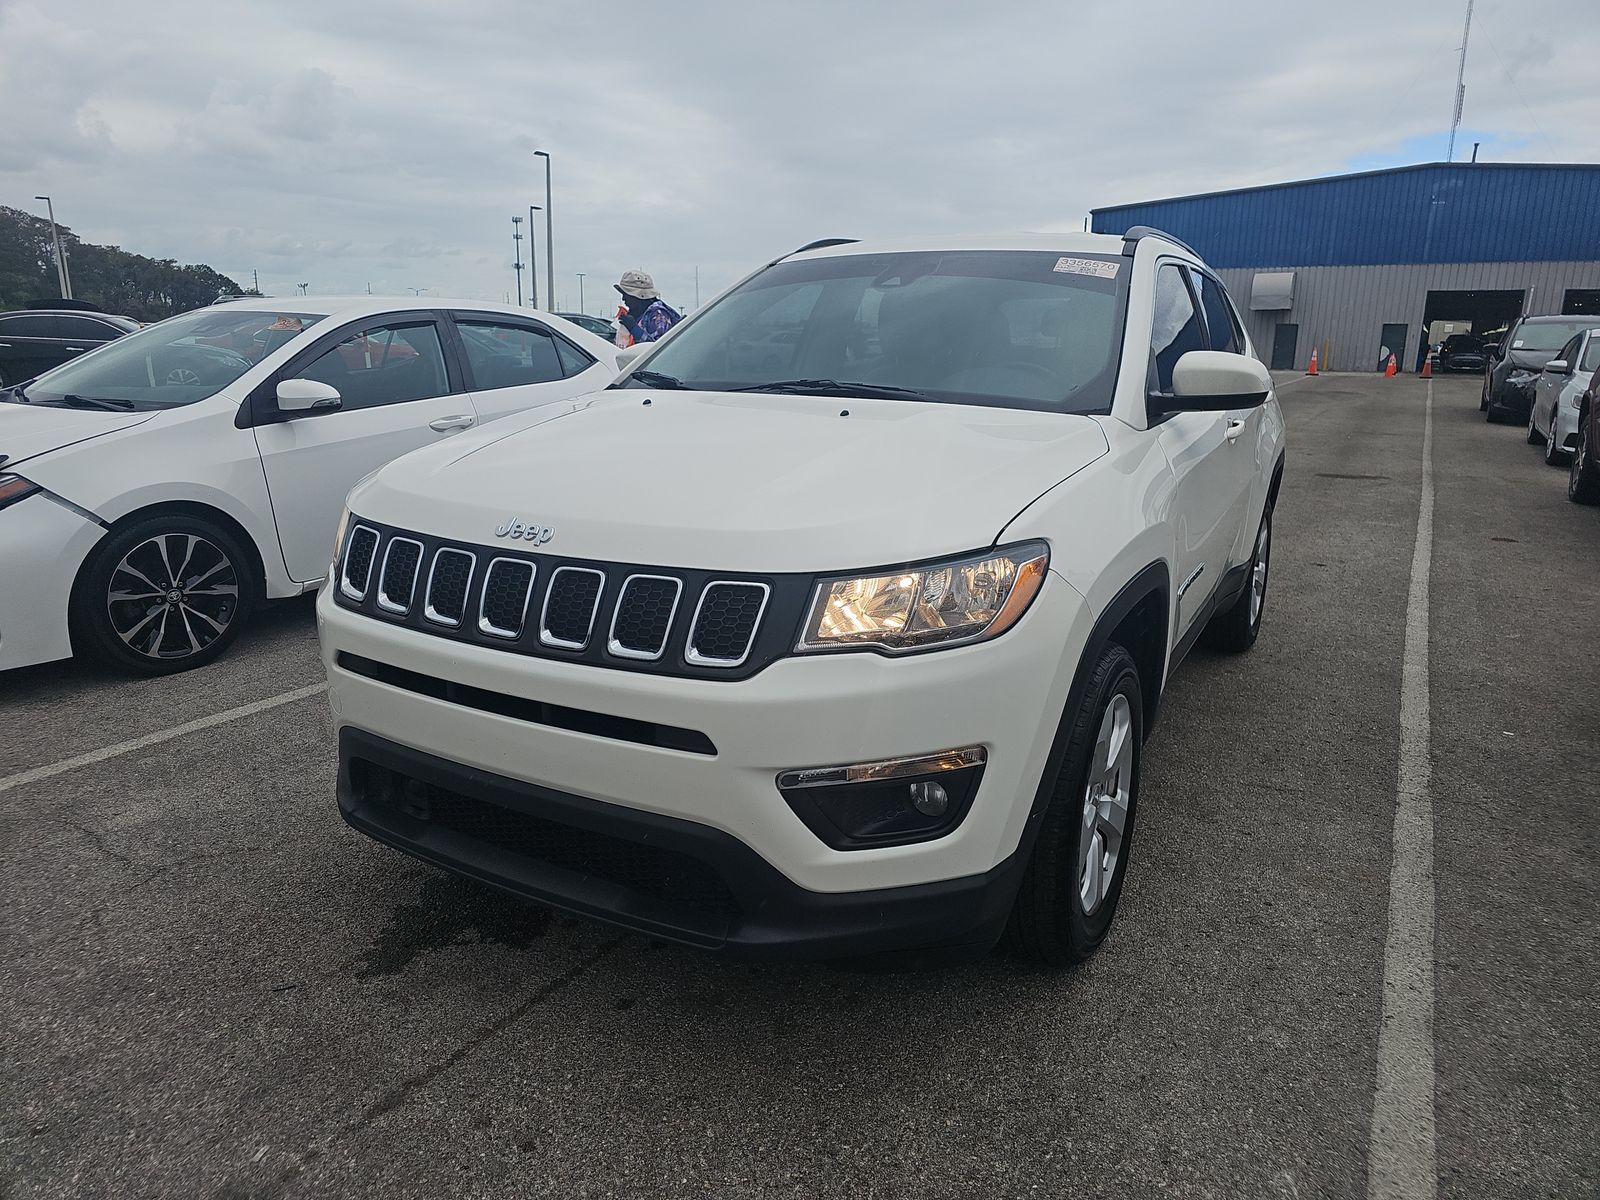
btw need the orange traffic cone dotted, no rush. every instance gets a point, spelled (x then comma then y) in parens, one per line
(1427, 366)
(1392, 369)
(1311, 367)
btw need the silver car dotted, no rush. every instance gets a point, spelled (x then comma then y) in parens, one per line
(1553, 419)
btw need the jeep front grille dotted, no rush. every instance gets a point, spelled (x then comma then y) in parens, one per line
(663, 621)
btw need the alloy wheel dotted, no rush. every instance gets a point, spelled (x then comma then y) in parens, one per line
(1106, 799)
(182, 375)
(1258, 573)
(172, 595)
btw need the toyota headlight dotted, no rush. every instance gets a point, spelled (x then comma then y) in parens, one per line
(962, 600)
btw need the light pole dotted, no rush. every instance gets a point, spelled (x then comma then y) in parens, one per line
(416, 291)
(61, 258)
(580, 275)
(516, 254)
(533, 259)
(549, 234)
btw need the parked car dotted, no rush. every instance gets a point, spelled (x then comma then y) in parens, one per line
(1558, 395)
(156, 490)
(1509, 382)
(33, 340)
(598, 326)
(858, 655)
(1461, 352)
(1583, 472)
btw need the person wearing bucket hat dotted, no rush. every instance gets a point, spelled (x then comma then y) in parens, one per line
(643, 316)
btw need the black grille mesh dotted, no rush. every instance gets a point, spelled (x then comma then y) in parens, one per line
(643, 614)
(727, 620)
(505, 595)
(652, 871)
(358, 559)
(447, 594)
(400, 572)
(569, 611)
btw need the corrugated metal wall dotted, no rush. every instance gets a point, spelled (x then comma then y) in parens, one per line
(1433, 213)
(1348, 306)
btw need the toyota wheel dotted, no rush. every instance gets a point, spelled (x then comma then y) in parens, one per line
(162, 595)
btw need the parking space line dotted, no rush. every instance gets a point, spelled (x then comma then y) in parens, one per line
(151, 739)
(1401, 1154)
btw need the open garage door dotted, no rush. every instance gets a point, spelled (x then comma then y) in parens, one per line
(1479, 311)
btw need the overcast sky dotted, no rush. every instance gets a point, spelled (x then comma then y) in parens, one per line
(390, 143)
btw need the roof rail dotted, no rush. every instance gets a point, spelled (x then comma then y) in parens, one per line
(1130, 239)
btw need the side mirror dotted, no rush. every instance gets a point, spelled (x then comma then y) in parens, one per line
(306, 395)
(627, 357)
(1558, 366)
(1214, 381)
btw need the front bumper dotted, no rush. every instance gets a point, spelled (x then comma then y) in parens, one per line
(42, 544)
(1514, 396)
(1006, 695)
(1566, 427)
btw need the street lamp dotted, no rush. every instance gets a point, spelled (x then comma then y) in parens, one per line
(61, 258)
(549, 234)
(416, 291)
(580, 275)
(516, 254)
(533, 259)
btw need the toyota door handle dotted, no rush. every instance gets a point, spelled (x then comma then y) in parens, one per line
(446, 424)
(1235, 428)
(77, 349)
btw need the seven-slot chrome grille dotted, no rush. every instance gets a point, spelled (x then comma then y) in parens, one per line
(623, 615)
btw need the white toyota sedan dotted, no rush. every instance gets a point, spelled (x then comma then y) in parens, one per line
(155, 491)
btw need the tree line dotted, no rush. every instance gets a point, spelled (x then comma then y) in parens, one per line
(109, 277)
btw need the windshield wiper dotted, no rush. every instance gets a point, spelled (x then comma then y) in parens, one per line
(832, 387)
(110, 404)
(653, 379)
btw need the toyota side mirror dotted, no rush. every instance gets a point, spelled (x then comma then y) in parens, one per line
(307, 395)
(1215, 381)
(1558, 366)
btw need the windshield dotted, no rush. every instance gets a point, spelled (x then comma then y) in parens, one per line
(1010, 329)
(172, 363)
(1548, 336)
(1591, 356)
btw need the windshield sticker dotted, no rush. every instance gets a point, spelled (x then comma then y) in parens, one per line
(1087, 266)
(1517, 345)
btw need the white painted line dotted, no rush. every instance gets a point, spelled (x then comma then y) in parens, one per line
(1400, 1157)
(152, 739)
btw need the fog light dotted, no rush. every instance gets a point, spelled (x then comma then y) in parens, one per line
(889, 802)
(929, 799)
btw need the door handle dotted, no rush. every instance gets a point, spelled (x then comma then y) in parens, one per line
(1235, 428)
(446, 424)
(77, 349)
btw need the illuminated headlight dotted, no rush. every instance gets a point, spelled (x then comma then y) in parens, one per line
(14, 488)
(963, 600)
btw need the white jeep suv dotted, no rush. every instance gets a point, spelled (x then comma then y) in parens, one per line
(836, 625)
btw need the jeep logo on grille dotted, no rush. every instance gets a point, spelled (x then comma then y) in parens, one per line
(525, 531)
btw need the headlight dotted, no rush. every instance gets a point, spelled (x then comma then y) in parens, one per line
(14, 488)
(963, 600)
(338, 534)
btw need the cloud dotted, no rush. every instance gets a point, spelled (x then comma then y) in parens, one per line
(394, 144)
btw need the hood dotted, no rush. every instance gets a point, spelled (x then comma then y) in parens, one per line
(29, 430)
(759, 483)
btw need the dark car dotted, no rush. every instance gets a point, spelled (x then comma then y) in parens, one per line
(33, 340)
(598, 326)
(1516, 363)
(1462, 352)
(1583, 470)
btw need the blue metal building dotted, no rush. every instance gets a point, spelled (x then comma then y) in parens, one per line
(1383, 261)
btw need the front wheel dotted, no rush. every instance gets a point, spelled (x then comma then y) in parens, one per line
(1483, 403)
(1583, 473)
(1533, 428)
(163, 595)
(1554, 455)
(1073, 880)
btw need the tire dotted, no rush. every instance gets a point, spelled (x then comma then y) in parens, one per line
(1533, 430)
(1583, 473)
(1554, 455)
(162, 625)
(1074, 876)
(1483, 404)
(1236, 628)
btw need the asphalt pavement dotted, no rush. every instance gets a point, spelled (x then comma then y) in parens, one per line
(210, 987)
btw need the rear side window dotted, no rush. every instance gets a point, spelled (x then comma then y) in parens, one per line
(30, 326)
(1176, 327)
(573, 360)
(507, 355)
(1220, 321)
